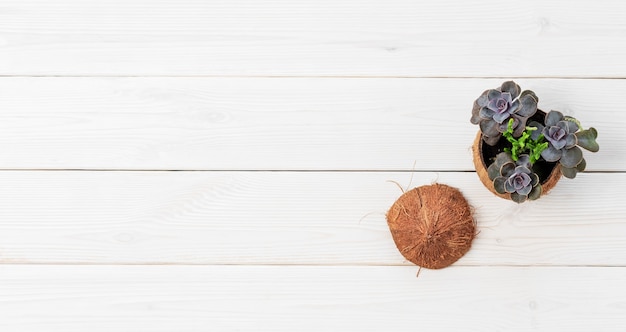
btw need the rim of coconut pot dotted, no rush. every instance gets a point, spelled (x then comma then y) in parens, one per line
(481, 168)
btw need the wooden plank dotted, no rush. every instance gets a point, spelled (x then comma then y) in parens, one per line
(273, 124)
(288, 218)
(310, 298)
(561, 38)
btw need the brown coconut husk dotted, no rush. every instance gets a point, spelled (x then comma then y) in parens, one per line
(432, 225)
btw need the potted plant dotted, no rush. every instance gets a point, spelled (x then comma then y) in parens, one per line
(520, 152)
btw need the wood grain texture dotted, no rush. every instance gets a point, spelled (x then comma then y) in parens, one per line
(310, 218)
(286, 122)
(274, 124)
(312, 38)
(277, 298)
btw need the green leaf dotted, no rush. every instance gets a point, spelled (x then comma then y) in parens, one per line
(508, 133)
(587, 139)
(533, 158)
(515, 152)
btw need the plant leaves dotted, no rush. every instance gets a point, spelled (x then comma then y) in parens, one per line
(512, 88)
(571, 124)
(525, 191)
(498, 185)
(486, 113)
(587, 139)
(493, 171)
(582, 165)
(569, 173)
(524, 160)
(493, 93)
(489, 128)
(517, 198)
(528, 101)
(508, 187)
(535, 133)
(570, 140)
(483, 100)
(535, 180)
(529, 93)
(507, 169)
(478, 105)
(571, 157)
(552, 118)
(551, 154)
(535, 193)
(503, 158)
(521, 125)
(491, 141)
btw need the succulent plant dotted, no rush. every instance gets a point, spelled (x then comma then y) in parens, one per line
(564, 138)
(493, 109)
(525, 144)
(522, 152)
(514, 177)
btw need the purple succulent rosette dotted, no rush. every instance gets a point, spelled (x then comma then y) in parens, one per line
(515, 177)
(493, 109)
(565, 138)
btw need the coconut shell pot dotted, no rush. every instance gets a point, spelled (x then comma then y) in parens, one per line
(484, 155)
(521, 152)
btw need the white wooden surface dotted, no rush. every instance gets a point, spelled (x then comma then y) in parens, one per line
(226, 165)
(187, 123)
